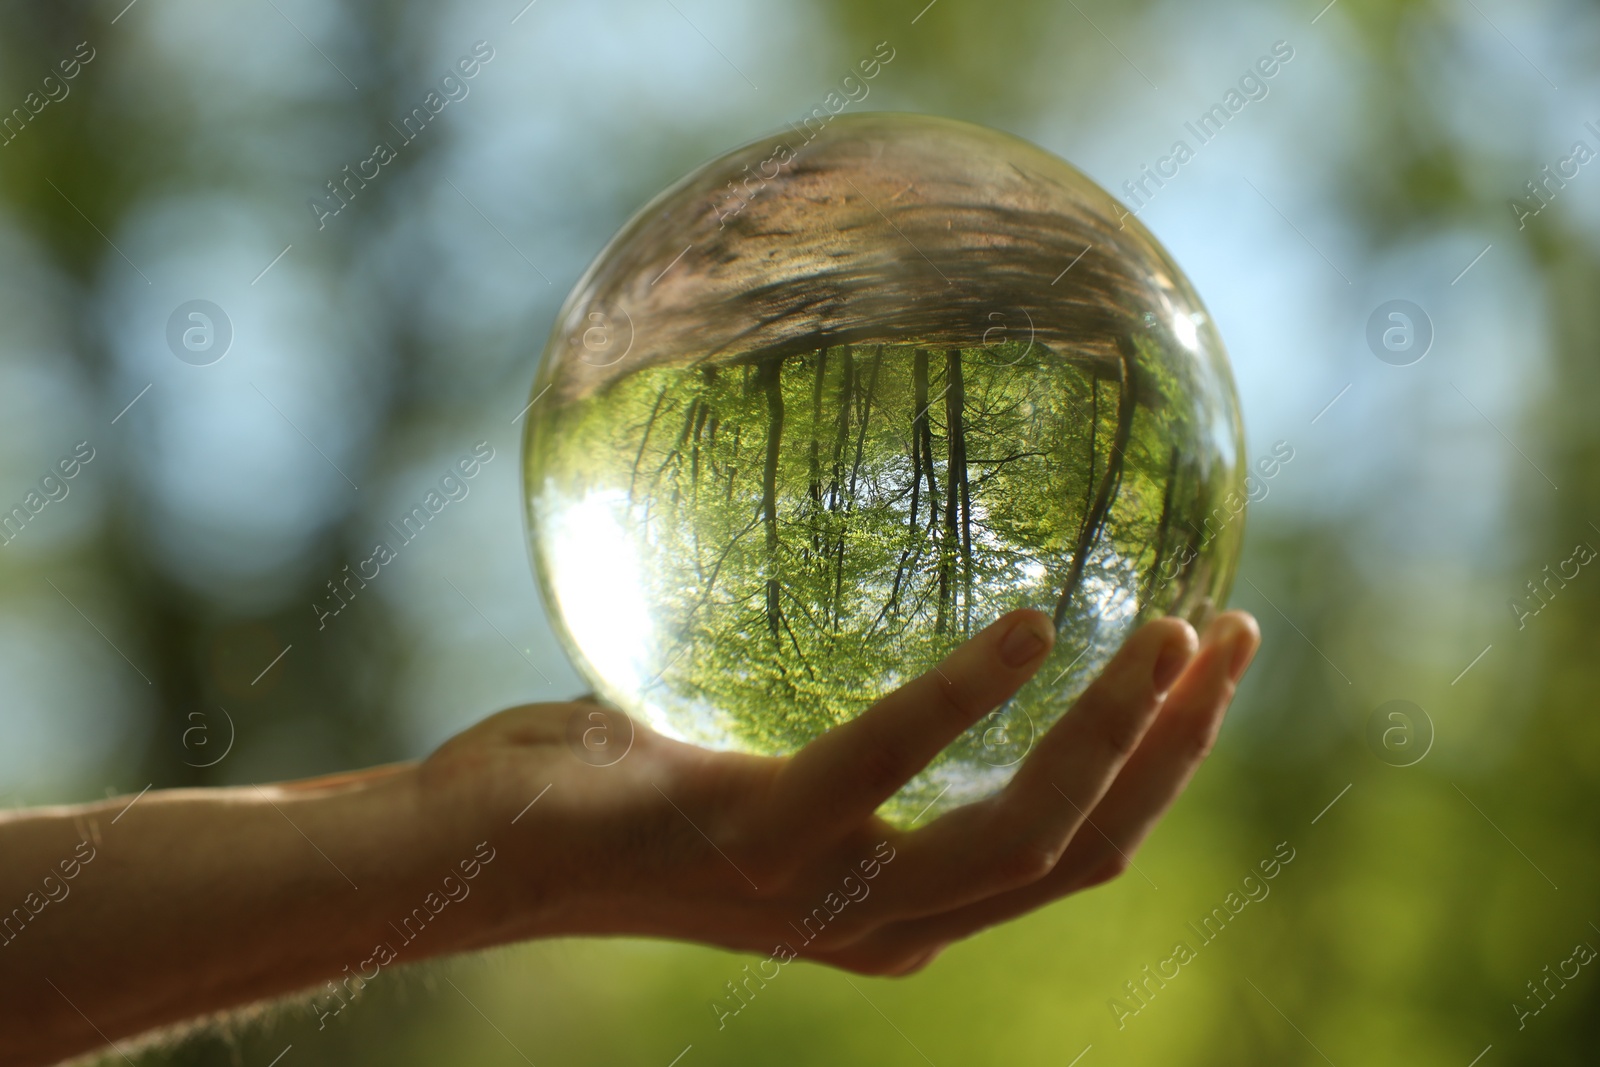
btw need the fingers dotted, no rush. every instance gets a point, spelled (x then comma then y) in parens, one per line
(1173, 749)
(839, 779)
(1077, 760)
(1152, 779)
(1017, 837)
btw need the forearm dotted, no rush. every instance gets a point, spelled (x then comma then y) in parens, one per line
(119, 919)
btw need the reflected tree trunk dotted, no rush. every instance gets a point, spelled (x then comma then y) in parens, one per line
(892, 608)
(1161, 528)
(847, 383)
(1094, 435)
(814, 489)
(959, 388)
(924, 432)
(1094, 520)
(644, 439)
(958, 503)
(694, 450)
(855, 477)
(771, 379)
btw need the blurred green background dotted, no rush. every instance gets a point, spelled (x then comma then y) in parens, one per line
(179, 161)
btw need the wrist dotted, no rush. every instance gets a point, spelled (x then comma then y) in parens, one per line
(377, 850)
(488, 852)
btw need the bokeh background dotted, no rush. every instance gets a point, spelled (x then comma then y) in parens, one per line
(163, 606)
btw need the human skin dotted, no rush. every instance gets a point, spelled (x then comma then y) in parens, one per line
(196, 901)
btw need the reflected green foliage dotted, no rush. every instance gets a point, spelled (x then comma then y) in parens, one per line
(812, 531)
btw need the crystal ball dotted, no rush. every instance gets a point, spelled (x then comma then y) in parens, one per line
(841, 397)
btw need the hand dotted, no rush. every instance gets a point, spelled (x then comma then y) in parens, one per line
(174, 903)
(753, 853)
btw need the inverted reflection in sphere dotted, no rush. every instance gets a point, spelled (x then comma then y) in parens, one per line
(824, 409)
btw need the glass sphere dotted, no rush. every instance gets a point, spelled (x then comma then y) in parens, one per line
(837, 400)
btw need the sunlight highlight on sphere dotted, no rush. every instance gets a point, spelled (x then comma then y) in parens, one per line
(602, 587)
(838, 399)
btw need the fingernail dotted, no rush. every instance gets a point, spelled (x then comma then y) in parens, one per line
(1237, 641)
(1244, 650)
(1022, 643)
(1169, 665)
